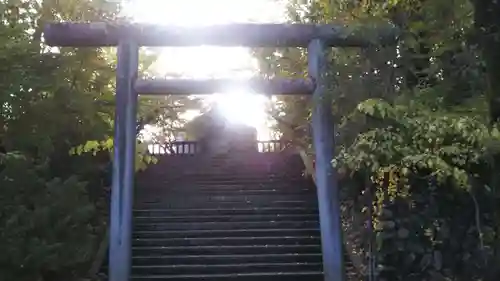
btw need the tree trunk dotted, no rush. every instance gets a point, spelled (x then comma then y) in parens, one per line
(487, 25)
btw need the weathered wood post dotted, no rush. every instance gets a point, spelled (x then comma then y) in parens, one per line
(120, 246)
(326, 182)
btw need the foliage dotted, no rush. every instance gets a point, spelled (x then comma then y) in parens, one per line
(413, 130)
(47, 227)
(142, 160)
(50, 217)
(53, 205)
(431, 175)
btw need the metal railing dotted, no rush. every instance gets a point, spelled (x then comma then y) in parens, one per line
(271, 146)
(174, 148)
(193, 147)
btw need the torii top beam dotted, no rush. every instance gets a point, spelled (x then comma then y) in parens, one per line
(252, 35)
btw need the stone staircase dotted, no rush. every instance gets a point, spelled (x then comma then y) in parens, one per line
(241, 216)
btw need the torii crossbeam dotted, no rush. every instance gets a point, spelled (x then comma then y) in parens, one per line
(129, 37)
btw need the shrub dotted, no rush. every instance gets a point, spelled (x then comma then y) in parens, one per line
(432, 173)
(46, 227)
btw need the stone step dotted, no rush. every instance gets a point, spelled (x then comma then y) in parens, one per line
(199, 269)
(226, 233)
(224, 191)
(220, 241)
(231, 166)
(225, 250)
(226, 259)
(226, 211)
(221, 175)
(209, 198)
(139, 218)
(193, 183)
(151, 187)
(220, 219)
(207, 179)
(208, 175)
(224, 225)
(260, 276)
(225, 205)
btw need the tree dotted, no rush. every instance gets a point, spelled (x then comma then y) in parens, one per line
(53, 205)
(413, 134)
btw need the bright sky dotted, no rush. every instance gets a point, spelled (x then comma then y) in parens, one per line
(211, 61)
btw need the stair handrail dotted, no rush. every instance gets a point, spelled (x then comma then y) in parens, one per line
(308, 161)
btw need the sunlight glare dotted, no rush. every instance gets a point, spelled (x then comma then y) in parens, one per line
(239, 107)
(245, 108)
(212, 61)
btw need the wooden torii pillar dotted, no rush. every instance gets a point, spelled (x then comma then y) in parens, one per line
(129, 37)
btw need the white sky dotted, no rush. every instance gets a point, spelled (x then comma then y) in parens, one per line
(212, 61)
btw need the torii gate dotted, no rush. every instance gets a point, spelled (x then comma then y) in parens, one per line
(129, 37)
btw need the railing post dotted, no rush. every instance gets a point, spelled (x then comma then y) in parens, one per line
(123, 163)
(323, 141)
